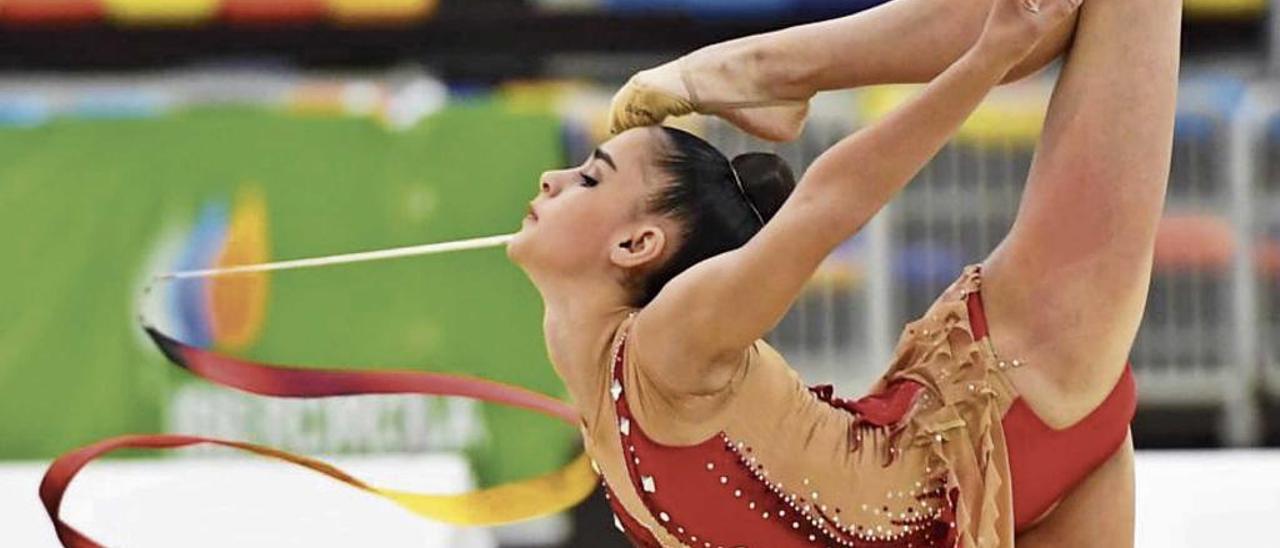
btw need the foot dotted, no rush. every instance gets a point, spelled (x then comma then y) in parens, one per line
(724, 80)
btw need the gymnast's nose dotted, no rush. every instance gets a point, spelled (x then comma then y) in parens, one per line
(550, 183)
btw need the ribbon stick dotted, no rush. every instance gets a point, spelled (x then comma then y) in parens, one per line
(393, 253)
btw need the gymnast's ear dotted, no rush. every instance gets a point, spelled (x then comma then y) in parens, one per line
(639, 247)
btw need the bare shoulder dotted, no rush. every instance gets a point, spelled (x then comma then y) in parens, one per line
(670, 357)
(671, 403)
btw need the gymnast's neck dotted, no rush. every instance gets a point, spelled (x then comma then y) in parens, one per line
(579, 322)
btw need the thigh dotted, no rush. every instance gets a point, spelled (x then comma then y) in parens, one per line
(1066, 289)
(1098, 513)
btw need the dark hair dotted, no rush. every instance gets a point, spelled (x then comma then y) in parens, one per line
(715, 211)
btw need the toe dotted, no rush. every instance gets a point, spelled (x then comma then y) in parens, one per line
(637, 105)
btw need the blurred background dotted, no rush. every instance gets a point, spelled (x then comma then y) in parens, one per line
(143, 136)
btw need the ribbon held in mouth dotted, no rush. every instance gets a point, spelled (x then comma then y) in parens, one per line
(512, 502)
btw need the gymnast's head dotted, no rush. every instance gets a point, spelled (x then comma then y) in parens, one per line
(642, 208)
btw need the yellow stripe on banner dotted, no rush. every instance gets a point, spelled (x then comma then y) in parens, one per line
(1010, 114)
(1223, 9)
(539, 96)
(380, 10)
(161, 11)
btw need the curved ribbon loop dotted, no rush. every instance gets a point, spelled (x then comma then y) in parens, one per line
(512, 502)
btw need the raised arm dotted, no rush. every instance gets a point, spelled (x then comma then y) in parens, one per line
(710, 313)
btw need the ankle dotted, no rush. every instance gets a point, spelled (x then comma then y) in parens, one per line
(779, 71)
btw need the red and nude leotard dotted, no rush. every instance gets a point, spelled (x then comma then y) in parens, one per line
(943, 454)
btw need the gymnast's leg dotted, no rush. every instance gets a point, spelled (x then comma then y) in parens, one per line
(901, 41)
(1067, 287)
(1098, 513)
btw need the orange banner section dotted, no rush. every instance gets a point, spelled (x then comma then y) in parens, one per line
(36, 12)
(1194, 241)
(169, 12)
(359, 11)
(272, 11)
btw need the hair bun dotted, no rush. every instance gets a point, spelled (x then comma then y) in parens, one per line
(766, 179)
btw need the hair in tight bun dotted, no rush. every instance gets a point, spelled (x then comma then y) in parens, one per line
(767, 181)
(719, 205)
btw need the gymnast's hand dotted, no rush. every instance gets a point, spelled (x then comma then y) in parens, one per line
(1014, 27)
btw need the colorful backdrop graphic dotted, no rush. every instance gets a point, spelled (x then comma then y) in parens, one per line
(237, 304)
(226, 312)
(83, 204)
(187, 297)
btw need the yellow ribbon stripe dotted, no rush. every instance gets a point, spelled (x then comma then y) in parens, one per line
(511, 502)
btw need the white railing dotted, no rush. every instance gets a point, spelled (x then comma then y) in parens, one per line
(1263, 128)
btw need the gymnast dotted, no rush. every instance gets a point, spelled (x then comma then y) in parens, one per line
(1004, 413)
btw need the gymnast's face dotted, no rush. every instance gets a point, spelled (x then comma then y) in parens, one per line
(591, 220)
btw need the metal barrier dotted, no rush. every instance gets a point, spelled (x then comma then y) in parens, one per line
(1264, 132)
(1195, 347)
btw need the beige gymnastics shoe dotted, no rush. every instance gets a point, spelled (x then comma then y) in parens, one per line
(650, 96)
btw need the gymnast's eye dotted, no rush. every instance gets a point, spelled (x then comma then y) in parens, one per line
(589, 181)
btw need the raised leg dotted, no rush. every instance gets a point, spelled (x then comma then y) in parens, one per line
(1067, 287)
(901, 41)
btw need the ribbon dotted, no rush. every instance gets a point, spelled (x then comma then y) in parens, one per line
(517, 501)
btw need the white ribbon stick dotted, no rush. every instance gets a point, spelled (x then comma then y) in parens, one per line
(410, 251)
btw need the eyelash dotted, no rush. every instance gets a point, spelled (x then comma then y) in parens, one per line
(588, 181)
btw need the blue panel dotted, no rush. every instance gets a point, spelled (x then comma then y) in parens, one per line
(24, 111)
(119, 104)
(1210, 93)
(738, 8)
(640, 6)
(1273, 127)
(925, 264)
(831, 8)
(1194, 126)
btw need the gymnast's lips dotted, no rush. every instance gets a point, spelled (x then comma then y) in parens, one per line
(533, 213)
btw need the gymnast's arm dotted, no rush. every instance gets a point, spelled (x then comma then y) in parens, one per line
(708, 315)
